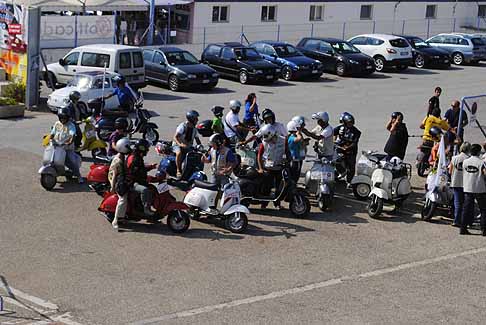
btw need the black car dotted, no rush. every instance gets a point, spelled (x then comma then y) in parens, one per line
(425, 55)
(235, 60)
(293, 63)
(178, 68)
(337, 56)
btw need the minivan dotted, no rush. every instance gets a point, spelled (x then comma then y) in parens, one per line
(125, 60)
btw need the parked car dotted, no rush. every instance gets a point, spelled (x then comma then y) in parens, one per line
(178, 69)
(125, 60)
(337, 56)
(387, 50)
(464, 48)
(89, 85)
(235, 60)
(425, 55)
(293, 63)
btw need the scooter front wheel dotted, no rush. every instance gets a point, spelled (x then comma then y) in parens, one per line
(299, 205)
(428, 210)
(178, 221)
(236, 222)
(375, 207)
(324, 202)
(48, 181)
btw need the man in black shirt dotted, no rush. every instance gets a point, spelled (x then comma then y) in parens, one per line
(347, 138)
(434, 101)
(396, 146)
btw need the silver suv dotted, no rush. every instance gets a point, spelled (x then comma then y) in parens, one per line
(464, 48)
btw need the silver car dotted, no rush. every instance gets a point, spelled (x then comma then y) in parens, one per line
(464, 48)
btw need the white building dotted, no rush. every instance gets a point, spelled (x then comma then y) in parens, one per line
(209, 21)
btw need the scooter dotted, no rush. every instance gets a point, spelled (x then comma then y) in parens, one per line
(423, 155)
(164, 203)
(53, 165)
(361, 182)
(90, 142)
(391, 184)
(202, 201)
(321, 180)
(105, 124)
(97, 177)
(440, 195)
(253, 184)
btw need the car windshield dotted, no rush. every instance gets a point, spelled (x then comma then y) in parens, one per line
(286, 51)
(418, 43)
(344, 48)
(80, 81)
(181, 58)
(247, 54)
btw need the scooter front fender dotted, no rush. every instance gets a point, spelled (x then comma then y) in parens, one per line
(237, 208)
(381, 193)
(361, 179)
(325, 189)
(432, 196)
(44, 170)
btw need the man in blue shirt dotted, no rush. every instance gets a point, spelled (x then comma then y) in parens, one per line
(452, 117)
(125, 94)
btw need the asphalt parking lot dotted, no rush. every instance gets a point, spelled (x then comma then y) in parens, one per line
(61, 263)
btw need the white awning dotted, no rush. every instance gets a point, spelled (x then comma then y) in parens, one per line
(91, 5)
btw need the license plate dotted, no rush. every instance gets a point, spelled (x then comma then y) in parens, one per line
(247, 161)
(316, 175)
(404, 53)
(269, 77)
(205, 81)
(369, 67)
(314, 71)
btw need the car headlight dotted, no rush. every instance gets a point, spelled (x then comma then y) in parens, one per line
(191, 76)
(353, 62)
(277, 70)
(259, 71)
(215, 75)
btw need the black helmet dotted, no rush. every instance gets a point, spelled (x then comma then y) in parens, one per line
(192, 116)
(341, 117)
(142, 145)
(396, 114)
(435, 131)
(74, 96)
(121, 123)
(63, 113)
(348, 118)
(217, 110)
(267, 112)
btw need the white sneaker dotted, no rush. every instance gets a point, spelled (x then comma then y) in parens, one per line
(115, 226)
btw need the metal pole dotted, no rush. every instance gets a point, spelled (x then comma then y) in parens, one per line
(241, 35)
(168, 26)
(454, 25)
(374, 26)
(278, 32)
(33, 58)
(403, 27)
(478, 22)
(150, 36)
(115, 29)
(344, 30)
(428, 28)
(312, 30)
(76, 30)
(204, 38)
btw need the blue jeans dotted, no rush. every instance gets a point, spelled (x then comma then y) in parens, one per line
(458, 203)
(73, 162)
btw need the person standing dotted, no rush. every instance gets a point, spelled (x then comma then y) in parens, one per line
(474, 170)
(251, 111)
(456, 172)
(397, 143)
(452, 117)
(118, 179)
(434, 101)
(347, 138)
(296, 144)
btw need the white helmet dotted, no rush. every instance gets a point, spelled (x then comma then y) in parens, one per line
(123, 145)
(234, 104)
(292, 126)
(267, 132)
(323, 116)
(395, 161)
(300, 120)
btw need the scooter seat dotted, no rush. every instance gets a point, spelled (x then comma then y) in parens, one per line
(380, 156)
(206, 185)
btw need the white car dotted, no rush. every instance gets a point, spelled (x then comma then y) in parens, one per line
(89, 85)
(387, 50)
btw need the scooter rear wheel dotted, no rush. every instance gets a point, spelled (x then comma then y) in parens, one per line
(48, 181)
(236, 222)
(299, 205)
(361, 191)
(151, 135)
(178, 221)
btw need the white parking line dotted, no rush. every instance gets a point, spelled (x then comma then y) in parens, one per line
(35, 300)
(309, 287)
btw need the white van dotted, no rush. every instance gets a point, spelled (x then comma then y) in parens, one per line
(125, 60)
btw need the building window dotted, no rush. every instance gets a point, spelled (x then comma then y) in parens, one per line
(316, 13)
(269, 13)
(431, 11)
(366, 12)
(220, 14)
(482, 11)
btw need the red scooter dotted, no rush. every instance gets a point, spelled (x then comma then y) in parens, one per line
(164, 203)
(98, 176)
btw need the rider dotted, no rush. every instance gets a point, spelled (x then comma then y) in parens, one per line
(137, 171)
(432, 120)
(233, 128)
(184, 138)
(222, 160)
(217, 125)
(296, 144)
(347, 138)
(269, 118)
(121, 125)
(126, 96)
(63, 132)
(323, 133)
(117, 176)
(76, 116)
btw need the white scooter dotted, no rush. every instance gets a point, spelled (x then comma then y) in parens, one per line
(201, 200)
(439, 194)
(361, 182)
(391, 184)
(321, 181)
(53, 165)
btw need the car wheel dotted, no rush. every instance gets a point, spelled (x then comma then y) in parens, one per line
(340, 69)
(379, 63)
(457, 58)
(419, 61)
(287, 73)
(173, 83)
(243, 77)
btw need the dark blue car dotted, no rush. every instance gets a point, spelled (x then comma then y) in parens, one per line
(293, 63)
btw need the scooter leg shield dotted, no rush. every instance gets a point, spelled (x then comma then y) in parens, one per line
(237, 208)
(47, 170)
(382, 194)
